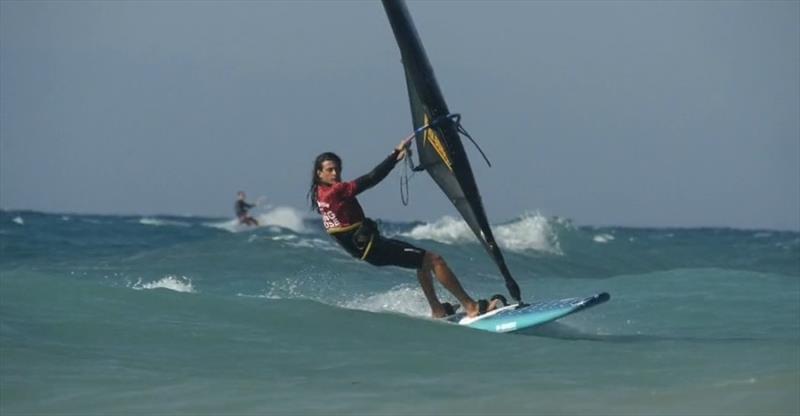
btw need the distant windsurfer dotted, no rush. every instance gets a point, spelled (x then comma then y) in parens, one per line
(241, 210)
(344, 220)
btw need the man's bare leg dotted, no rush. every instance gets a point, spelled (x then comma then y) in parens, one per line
(426, 282)
(435, 263)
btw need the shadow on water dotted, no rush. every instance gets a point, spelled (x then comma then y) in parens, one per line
(562, 331)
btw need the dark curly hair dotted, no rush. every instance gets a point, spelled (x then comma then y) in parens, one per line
(312, 191)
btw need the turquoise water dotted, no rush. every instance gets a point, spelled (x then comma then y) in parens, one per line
(177, 315)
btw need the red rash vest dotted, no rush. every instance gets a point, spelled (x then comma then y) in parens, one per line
(339, 207)
(337, 203)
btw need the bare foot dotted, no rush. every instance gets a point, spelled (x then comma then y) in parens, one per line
(444, 309)
(481, 307)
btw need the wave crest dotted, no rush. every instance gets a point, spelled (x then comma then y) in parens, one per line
(176, 283)
(284, 217)
(532, 231)
(158, 222)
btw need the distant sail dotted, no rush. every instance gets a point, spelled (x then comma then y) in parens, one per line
(441, 152)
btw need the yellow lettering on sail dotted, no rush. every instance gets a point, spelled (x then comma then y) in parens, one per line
(432, 137)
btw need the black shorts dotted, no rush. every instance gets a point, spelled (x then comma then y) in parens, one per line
(391, 252)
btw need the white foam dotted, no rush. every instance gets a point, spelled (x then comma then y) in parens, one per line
(446, 230)
(18, 220)
(284, 217)
(314, 286)
(176, 283)
(160, 223)
(229, 225)
(316, 243)
(405, 299)
(532, 231)
(603, 238)
(284, 237)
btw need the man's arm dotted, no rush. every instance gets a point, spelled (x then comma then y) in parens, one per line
(371, 179)
(378, 174)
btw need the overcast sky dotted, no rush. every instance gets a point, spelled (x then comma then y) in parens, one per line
(609, 113)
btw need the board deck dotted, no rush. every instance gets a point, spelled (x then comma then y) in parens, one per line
(515, 317)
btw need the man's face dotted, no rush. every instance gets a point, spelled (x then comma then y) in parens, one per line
(329, 172)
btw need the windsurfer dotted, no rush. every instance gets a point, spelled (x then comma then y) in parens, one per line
(241, 208)
(344, 220)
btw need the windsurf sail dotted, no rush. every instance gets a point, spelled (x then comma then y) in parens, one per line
(439, 146)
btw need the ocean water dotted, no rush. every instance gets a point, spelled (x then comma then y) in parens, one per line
(182, 315)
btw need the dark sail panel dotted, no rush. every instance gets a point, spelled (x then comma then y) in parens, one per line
(439, 145)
